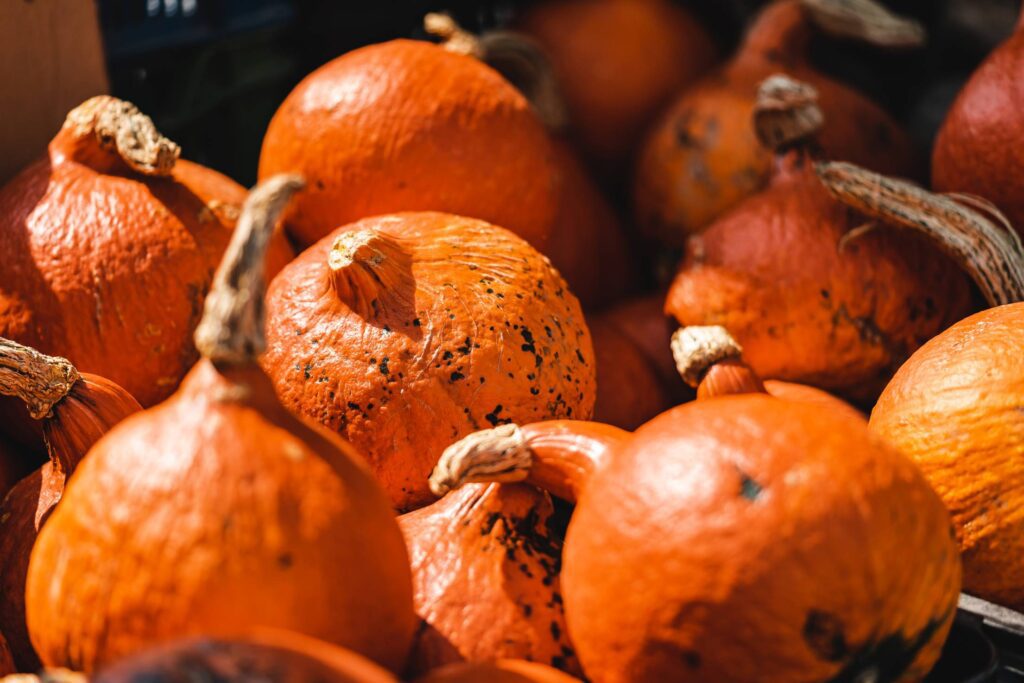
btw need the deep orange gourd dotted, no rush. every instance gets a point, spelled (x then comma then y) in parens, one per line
(502, 671)
(404, 333)
(110, 243)
(978, 148)
(486, 563)
(702, 158)
(279, 656)
(406, 125)
(618, 62)
(75, 410)
(218, 510)
(812, 295)
(737, 538)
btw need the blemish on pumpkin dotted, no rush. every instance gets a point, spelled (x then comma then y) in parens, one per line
(556, 631)
(383, 367)
(749, 488)
(456, 376)
(823, 633)
(306, 370)
(285, 560)
(691, 658)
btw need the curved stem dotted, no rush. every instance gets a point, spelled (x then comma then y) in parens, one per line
(39, 380)
(786, 112)
(989, 250)
(867, 21)
(781, 32)
(453, 37)
(557, 456)
(231, 331)
(371, 272)
(710, 360)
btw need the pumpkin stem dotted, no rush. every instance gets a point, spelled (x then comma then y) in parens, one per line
(39, 380)
(104, 133)
(986, 246)
(867, 21)
(710, 361)
(515, 56)
(231, 331)
(786, 112)
(371, 272)
(557, 456)
(780, 32)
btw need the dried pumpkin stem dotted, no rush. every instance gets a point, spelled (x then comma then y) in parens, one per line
(989, 250)
(453, 37)
(119, 127)
(865, 20)
(786, 112)
(492, 455)
(710, 360)
(39, 380)
(231, 331)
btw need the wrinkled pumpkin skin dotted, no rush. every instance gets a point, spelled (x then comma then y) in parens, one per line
(703, 157)
(789, 543)
(955, 409)
(215, 512)
(110, 270)
(803, 307)
(503, 671)
(486, 561)
(407, 125)
(618, 62)
(461, 326)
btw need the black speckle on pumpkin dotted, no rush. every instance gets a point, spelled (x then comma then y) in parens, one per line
(383, 367)
(456, 376)
(749, 488)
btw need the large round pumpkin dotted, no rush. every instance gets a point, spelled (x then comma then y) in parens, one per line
(407, 125)
(404, 333)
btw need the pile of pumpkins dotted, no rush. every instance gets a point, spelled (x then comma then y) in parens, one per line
(418, 406)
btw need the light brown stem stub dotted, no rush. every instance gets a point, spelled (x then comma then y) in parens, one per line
(865, 20)
(39, 380)
(492, 455)
(786, 111)
(118, 127)
(231, 331)
(453, 37)
(696, 348)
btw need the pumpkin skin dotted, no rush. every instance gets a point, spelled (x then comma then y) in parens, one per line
(954, 408)
(485, 564)
(978, 147)
(502, 671)
(108, 267)
(432, 327)
(702, 158)
(807, 307)
(407, 125)
(618, 63)
(219, 511)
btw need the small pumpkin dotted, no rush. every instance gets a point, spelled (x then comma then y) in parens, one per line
(110, 243)
(485, 563)
(501, 671)
(407, 125)
(75, 410)
(218, 510)
(264, 655)
(702, 158)
(406, 332)
(729, 539)
(812, 293)
(618, 63)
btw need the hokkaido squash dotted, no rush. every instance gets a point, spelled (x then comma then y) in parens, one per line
(702, 158)
(266, 655)
(812, 294)
(978, 147)
(502, 671)
(109, 246)
(218, 510)
(486, 562)
(406, 125)
(735, 539)
(404, 333)
(618, 62)
(75, 411)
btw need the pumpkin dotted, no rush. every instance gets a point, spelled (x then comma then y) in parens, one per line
(811, 294)
(6, 661)
(618, 62)
(501, 671)
(110, 243)
(406, 125)
(977, 148)
(218, 510)
(75, 410)
(47, 676)
(265, 655)
(737, 538)
(485, 563)
(406, 332)
(702, 158)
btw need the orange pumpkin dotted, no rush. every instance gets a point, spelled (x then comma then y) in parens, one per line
(404, 333)
(702, 158)
(501, 671)
(110, 243)
(618, 62)
(735, 539)
(279, 656)
(485, 563)
(811, 295)
(75, 411)
(406, 125)
(218, 510)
